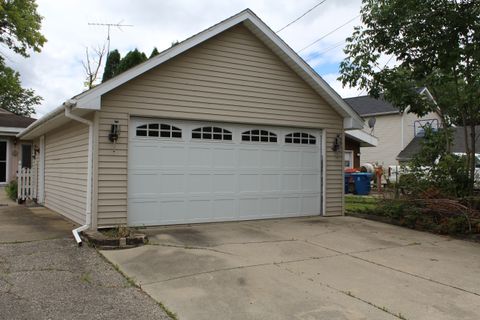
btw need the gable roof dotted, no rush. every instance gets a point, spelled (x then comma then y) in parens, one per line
(91, 99)
(458, 144)
(369, 106)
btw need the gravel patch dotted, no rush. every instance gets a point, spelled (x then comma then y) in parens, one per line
(55, 279)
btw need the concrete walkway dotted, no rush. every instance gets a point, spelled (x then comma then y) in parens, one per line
(309, 268)
(45, 275)
(19, 223)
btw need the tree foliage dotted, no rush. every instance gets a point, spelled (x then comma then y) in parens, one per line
(115, 64)
(436, 44)
(131, 59)
(13, 97)
(20, 32)
(154, 53)
(20, 26)
(111, 65)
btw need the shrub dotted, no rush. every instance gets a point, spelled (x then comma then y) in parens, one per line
(11, 190)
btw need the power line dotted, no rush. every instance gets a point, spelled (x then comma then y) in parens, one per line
(384, 66)
(303, 15)
(329, 33)
(336, 45)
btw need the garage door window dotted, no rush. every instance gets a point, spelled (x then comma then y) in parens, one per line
(300, 138)
(159, 130)
(259, 136)
(211, 133)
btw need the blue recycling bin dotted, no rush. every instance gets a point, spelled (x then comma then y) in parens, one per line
(348, 176)
(362, 182)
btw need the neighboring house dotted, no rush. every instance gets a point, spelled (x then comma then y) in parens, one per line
(354, 141)
(230, 124)
(13, 150)
(394, 129)
(458, 145)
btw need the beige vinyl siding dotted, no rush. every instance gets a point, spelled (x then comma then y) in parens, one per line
(232, 77)
(388, 130)
(66, 154)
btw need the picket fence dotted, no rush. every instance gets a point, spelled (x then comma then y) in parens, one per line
(27, 186)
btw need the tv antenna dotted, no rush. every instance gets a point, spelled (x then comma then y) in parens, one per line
(118, 25)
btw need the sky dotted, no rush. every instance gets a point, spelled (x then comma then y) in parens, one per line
(56, 73)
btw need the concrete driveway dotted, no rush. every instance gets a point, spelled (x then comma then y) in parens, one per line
(308, 268)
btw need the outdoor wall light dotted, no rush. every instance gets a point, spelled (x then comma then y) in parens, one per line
(114, 132)
(337, 143)
(36, 150)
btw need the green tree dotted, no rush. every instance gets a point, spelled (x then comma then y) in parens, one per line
(20, 26)
(131, 59)
(20, 32)
(436, 44)
(154, 53)
(111, 65)
(13, 97)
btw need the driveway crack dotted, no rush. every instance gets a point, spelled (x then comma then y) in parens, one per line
(235, 268)
(349, 294)
(352, 255)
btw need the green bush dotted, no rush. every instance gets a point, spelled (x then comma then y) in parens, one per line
(11, 190)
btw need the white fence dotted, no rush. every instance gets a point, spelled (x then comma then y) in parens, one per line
(27, 185)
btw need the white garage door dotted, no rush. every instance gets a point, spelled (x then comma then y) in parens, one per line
(190, 172)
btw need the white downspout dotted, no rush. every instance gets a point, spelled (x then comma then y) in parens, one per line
(88, 210)
(403, 125)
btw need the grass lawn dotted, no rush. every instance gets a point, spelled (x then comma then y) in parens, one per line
(355, 203)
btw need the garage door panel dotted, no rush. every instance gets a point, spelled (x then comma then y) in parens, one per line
(271, 159)
(291, 206)
(248, 182)
(248, 158)
(224, 158)
(200, 157)
(191, 179)
(310, 204)
(144, 152)
(170, 156)
(224, 183)
(173, 183)
(224, 209)
(199, 183)
(270, 182)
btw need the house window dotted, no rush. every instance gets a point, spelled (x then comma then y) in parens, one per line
(259, 136)
(211, 133)
(159, 130)
(348, 156)
(300, 138)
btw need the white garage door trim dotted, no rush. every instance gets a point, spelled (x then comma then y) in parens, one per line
(174, 180)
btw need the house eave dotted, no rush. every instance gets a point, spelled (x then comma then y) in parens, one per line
(365, 139)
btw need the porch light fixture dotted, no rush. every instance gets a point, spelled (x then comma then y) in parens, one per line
(337, 143)
(36, 150)
(114, 132)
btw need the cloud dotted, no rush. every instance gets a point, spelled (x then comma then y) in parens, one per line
(57, 73)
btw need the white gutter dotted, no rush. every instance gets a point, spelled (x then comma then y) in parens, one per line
(88, 210)
(42, 120)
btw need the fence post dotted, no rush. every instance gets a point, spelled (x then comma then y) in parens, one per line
(19, 180)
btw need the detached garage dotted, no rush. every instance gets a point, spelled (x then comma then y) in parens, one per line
(230, 124)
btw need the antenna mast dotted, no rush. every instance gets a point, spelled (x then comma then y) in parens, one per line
(118, 25)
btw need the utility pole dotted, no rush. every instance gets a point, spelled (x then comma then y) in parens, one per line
(118, 25)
